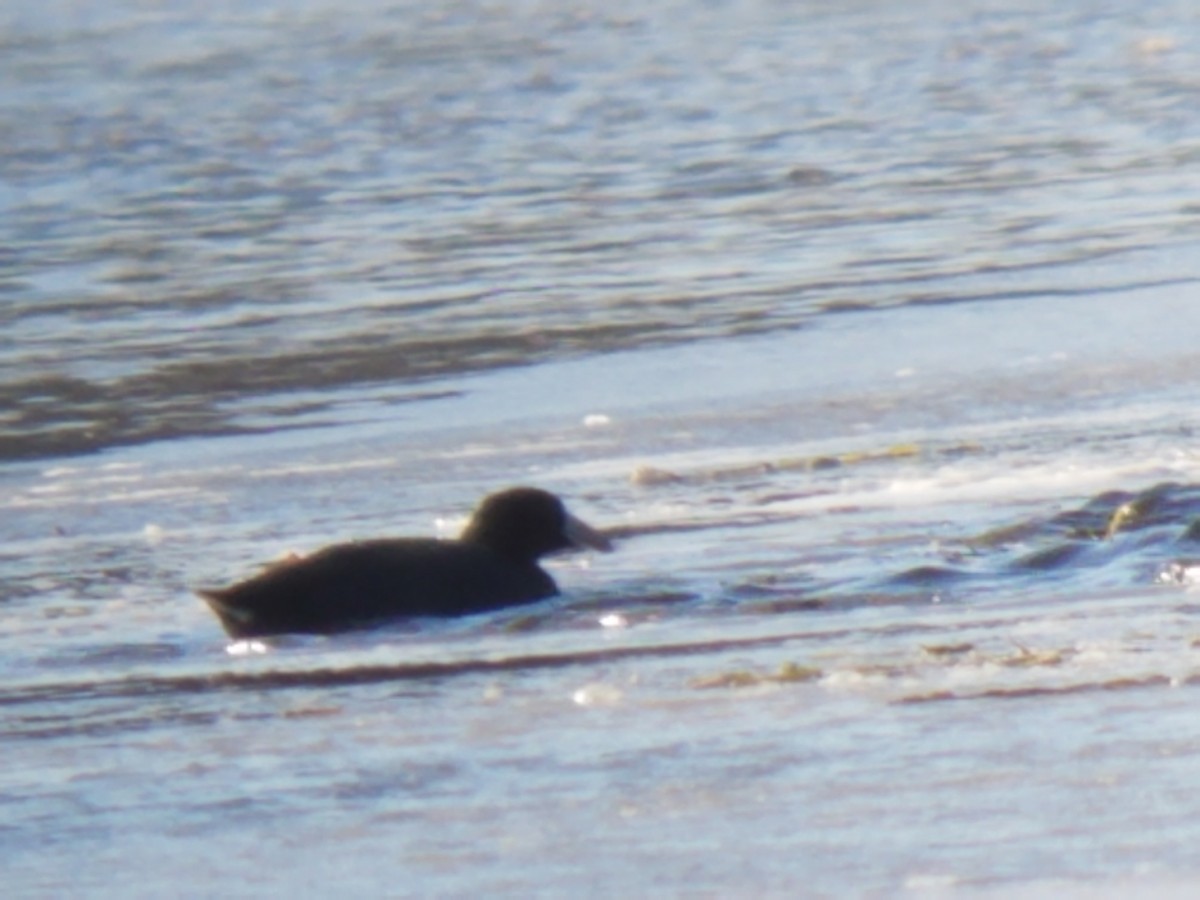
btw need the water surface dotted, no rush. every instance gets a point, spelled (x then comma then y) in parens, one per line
(867, 331)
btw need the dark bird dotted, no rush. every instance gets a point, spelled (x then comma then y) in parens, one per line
(493, 564)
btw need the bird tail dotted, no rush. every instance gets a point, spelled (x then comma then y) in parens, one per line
(233, 618)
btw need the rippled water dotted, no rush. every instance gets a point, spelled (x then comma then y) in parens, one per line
(867, 329)
(209, 210)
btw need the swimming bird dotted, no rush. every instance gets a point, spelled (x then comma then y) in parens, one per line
(493, 564)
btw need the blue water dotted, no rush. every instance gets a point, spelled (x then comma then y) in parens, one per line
(867, 331)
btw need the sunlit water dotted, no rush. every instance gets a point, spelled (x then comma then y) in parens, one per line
(867, 330)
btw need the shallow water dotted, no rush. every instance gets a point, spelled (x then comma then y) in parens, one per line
(868, 332)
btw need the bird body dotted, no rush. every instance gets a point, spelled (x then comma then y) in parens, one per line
(362, 583)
